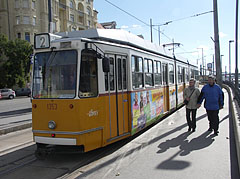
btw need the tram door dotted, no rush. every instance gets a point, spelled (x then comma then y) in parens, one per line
(118, 98)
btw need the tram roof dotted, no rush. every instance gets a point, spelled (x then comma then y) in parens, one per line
(121, 37)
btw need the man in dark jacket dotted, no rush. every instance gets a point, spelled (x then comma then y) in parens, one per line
(213, 96)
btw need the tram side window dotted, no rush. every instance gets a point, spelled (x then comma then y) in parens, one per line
(165, 74)
(187, 75)
(137, 72)
(158, 73)
(111, 75)
(180, 74)
(148, 69)
(122, 74)
(88, 74)
(192, 73)
(196, 74)
(171, 74)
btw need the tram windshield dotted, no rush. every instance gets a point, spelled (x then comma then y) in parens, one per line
(54, 74)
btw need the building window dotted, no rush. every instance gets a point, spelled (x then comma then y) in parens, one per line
(33, 4)
(89, 23)
(158, 72)
(89, 11)
(80, 19)
(17, 4)
(34, 21)
(88, 1)
(25, 4)
(71, 4)
(137, 72)
(148, 69)
(171, 74)
(19, 35)
(72, 17)
(26, 20)
(27, 36)
(17, 20)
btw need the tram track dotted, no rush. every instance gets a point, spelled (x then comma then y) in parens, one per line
(17, 164)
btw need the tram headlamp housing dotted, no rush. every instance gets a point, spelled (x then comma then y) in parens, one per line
(51, 125)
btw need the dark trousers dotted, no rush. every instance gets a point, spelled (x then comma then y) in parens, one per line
(213, 119)
(191, 122)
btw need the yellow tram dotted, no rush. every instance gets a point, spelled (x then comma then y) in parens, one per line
(94, 87)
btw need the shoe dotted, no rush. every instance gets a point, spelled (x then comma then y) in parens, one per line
(193, 130)
(189, 129)
(210, 129)
(216, 132)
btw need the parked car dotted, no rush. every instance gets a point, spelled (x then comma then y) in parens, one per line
(23, 92)
(0, 95)
(7, 93)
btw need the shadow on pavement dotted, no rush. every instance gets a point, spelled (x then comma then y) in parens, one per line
(186, 147)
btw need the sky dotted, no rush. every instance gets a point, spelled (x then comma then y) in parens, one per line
(193, 33)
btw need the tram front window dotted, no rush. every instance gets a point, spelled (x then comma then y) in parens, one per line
(88, 74)
(55, 74)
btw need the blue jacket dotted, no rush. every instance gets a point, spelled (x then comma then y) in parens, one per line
(213, 96)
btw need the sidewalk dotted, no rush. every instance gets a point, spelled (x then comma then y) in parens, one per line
(167, 151)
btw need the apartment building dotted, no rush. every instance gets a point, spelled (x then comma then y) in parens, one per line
(24, 18)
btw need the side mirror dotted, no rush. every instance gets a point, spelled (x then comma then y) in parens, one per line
(105, 65)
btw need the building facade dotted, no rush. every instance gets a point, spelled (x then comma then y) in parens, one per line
(24, 18)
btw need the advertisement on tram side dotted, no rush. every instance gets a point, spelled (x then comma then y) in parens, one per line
(146, 106)
(180, 94)
(172, 97)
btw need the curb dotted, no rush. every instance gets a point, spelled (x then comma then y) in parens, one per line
(233, 111)
(15, 128)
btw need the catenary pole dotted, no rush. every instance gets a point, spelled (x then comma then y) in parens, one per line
(217, 45)
(236, 47)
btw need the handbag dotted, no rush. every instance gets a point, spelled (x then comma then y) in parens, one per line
(186, 101)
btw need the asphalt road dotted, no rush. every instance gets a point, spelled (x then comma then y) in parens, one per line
(15, 112)
(18, 103)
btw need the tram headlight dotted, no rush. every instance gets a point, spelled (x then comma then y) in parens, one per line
(51, 125)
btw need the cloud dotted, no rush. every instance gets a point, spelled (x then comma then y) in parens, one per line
(124, 27)
(222, 35)
(136, 26)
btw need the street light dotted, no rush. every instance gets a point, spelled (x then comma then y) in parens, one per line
(230, 41)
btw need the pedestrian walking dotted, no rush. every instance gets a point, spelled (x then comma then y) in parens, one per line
(214, 100)
(190, 96)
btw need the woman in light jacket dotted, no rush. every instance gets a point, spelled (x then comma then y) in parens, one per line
(191, 94)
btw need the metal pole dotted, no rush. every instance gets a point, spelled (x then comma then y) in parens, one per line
(230, 41)
(50, 16)
(151, 30)
(217, 45)
(213, 65)
(236, 47)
